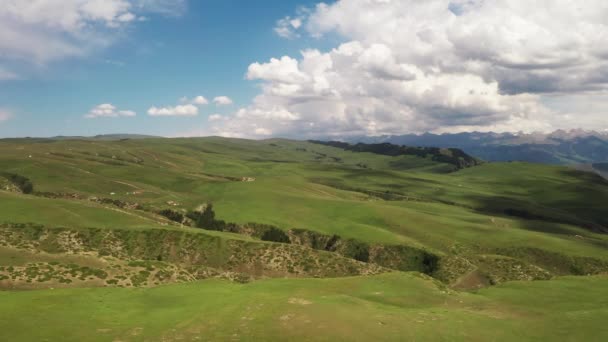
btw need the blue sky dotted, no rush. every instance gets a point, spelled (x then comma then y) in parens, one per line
(300, 68)
(203, 51)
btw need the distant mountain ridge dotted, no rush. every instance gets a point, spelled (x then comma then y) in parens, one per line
(559, 147)
(101, 137)
(107, 137)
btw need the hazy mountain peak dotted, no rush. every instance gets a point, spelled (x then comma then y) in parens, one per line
(558, 147)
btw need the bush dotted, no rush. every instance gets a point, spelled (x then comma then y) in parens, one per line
(357, 250)
(23, 183)
(172, 215)
(275, 235)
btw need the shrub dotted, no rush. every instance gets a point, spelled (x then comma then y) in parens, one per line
(276, 235)
(172, 215)
(23, 183)
(357, 250)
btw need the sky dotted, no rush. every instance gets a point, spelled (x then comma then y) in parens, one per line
(301, 68)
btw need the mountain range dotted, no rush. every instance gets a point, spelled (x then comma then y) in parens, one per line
(559, 147)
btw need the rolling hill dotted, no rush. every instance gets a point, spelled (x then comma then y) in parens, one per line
(215, 238)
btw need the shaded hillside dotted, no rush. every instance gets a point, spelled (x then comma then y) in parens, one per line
(452, 156)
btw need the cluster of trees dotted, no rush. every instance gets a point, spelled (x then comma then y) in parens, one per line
(172, 215)
(23, 183)
(205, 219)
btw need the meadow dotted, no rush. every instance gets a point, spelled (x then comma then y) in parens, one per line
(394, 306)
(517, 251)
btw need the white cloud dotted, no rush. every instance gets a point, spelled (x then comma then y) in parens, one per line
(44, 31)
(197, 100)
(262, 131)
(288, 26)
(215, 117)
(527, 46)
(222, 101)
(188, 107)
(180, 110)
(436, 65)
(107, 110)
(284, 70)
(200, 100)
(5, 115)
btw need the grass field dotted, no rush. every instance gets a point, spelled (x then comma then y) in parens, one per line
(95, 205)
(393, 306)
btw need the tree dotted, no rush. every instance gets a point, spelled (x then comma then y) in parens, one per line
(207, 218)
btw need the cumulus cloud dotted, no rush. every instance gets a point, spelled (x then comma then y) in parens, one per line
(200, 101)
(108, 110)
(197, 100)
(284, 70)
(436, 65)
(180, 110)
(222, 101)
(514, 42)
(188, 107)
(44, 31)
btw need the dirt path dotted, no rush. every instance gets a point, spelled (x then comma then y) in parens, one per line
(470, 281)
(128, 184)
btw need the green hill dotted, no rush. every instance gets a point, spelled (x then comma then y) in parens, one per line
(396, 237)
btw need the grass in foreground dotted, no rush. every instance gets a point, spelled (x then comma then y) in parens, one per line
(396, 306)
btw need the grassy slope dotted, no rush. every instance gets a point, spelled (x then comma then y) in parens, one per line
(59, 212)
(287, 192)
(393, 306)
(296, 186)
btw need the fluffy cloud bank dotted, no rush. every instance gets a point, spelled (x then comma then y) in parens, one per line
(436, 65)
(107, 110)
